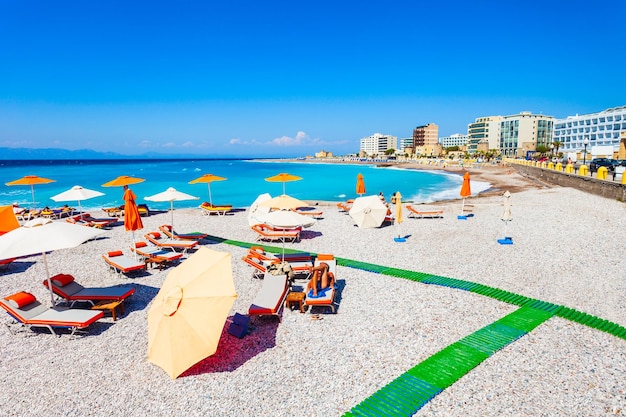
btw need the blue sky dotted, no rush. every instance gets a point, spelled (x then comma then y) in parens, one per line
(285, 78)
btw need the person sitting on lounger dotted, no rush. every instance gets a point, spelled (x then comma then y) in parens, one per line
(320, 279)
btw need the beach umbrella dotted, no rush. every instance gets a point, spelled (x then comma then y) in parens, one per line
(123, 180)
(360, 185)
(77, 193)
(31, 180)
(207, 178)
(256, 212)
(368, 211)
(171, 195)
(465, 190)
(187, 316)
(283, 177)
(507, 216)
(287, 219)
(8, 221)
(397, 199)
(283, 202)
(41, 236)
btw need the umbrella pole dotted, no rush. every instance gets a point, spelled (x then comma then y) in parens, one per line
(45, 262)
(32, 191)
(462, 206)
(172, 213)
(210, 198)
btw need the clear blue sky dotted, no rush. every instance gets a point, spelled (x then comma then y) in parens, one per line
(289, 78)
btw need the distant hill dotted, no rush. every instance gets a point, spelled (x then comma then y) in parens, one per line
(56, 153)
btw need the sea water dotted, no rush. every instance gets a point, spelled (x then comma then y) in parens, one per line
(245, 181)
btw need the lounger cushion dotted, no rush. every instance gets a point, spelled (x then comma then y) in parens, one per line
(155, 235)
(325, 257)
(141, 245)
(20, 299)
(61, 280)
(115, 253)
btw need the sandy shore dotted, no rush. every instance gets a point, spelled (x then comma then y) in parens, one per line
(567, 250)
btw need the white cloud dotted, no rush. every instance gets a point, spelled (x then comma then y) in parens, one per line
(301, 138)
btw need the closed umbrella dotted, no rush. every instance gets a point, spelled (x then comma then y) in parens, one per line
(506, 217)
(8, 221)
(368, 212)
(397, 199)
(31, 180)
(132, 219)
(187, 317)
(171, 195)
(208, 179)
(283, 177)
(360, 185)
(77, 193)
(465, 190)
(41, 236)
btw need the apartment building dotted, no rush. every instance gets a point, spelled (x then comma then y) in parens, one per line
(484, 130)
(378, 144)
(601, 129)
(426, 140)
(523, 132)
(456, 139)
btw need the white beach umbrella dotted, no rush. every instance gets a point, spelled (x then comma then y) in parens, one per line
(287, 219)
(171, 195)
(257, 212)
(77, 193)
(41, 236)
(368, 212)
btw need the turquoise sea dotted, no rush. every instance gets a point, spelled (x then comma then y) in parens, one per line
(245, 180)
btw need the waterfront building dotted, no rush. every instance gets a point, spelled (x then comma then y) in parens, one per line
(522, 133)
(484, 131)
(456, 139)
(426, 140)
(601, 130)
(378, 144)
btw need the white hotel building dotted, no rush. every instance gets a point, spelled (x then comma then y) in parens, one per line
(378, 143)
(601, 129)
(456, 139)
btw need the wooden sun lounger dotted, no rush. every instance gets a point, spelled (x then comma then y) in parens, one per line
(36, 314)
(64, 286)
(182, 245)
(154, 254)
(260, 260)
(417, 214)
(312, 213)
(271, 297)
(327, 298)
(121, 263)
(167, 230)
(271, 234)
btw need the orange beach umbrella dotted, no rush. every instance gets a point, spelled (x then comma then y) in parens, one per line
(465, 190)
(207, 178)
(123, 180)
(8, 221)
(283, 177)
(31, 180)
(360, 185)
(132, 219)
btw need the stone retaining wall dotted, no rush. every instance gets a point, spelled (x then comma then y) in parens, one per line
(604, 188)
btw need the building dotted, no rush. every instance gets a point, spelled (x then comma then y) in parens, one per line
(324, 154)
(406, 145)
(602, 129)
(485, 130)
(522, 133)
(456, 139)
(378, 144)
(426, 140)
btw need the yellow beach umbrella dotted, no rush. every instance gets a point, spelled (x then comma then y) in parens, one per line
(283, 177)
(31, 180)
(123, 180)
(186, 319)
(207, 178)
(283, 202)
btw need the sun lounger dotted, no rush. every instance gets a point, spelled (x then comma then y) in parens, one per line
(4, 263)
(26, 310)
(114, 211)
(167, 230)
(85, 219)
(121, 263)
(325, 297)
(154, 254)
(221, 210)
(271, 297)
(64, 286)
(312, 213)
(271, 234)
(143, 209)
(344, 207)
(417, 214)
(173, 244)
(261, 260)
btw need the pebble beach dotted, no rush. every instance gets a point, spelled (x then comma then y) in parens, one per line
(568, 250)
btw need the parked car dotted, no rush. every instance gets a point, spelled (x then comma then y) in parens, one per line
(600, 162)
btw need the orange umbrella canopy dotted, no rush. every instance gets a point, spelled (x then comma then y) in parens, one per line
(123, 180)
(360, 184)
(207, 178)
(465, 188)
(283, 177)
(8, 221)
(31, 180)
